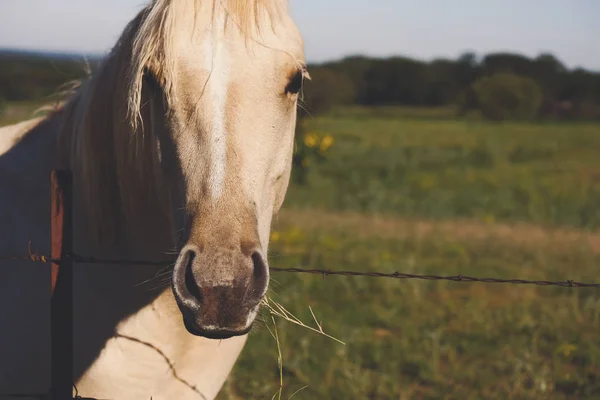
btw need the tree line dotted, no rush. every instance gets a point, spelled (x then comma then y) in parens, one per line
(497, 85)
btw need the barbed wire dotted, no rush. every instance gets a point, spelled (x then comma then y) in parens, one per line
(324, 273)
(454, 278)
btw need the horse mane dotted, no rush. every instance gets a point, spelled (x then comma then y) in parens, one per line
(105, 137)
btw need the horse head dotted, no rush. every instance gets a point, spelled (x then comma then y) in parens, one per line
(228, 88)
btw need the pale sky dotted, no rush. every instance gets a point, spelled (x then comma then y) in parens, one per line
(570, 29)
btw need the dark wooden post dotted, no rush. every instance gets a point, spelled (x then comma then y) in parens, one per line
(61, 217)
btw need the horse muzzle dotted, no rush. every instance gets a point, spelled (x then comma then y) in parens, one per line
(219, 290)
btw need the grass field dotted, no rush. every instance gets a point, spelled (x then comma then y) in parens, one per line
(425, 193)
(13, 112)
(421, 192)
(544, 173)
(427, 340)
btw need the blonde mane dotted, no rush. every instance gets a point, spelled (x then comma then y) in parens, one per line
(103, 137)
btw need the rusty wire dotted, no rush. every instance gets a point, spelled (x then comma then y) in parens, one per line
(324, 273)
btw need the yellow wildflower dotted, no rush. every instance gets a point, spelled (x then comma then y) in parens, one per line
(489, 219)
(275, 236)
(427, 182)
(326, 143)
(566, 349)
(310, 140)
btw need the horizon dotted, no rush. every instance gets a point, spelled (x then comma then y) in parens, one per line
(99, 56)
(389, 28)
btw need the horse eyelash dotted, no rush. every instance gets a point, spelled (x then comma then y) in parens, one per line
(295, 84)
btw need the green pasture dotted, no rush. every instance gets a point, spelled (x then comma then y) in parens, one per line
(418, 191)
(426, 340)
(433, 167)
(16, 111)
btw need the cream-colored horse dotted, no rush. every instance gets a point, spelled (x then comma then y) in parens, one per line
(180, 142)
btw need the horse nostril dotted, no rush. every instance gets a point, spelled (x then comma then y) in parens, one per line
(190, 281)
(260, 276)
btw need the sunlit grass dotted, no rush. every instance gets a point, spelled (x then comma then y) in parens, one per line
(415, 339)
(444, 168)
(13, 112)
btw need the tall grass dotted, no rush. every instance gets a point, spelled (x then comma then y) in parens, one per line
(544, 173)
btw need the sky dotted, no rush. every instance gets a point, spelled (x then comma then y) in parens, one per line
(424, 29)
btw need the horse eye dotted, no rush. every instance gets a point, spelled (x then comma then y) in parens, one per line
(150, 79)
(295, 83)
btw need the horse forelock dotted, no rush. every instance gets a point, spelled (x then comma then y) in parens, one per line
(153, 44)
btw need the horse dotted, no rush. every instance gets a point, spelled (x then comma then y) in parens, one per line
(180, 144)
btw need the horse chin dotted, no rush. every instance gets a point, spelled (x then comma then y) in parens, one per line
(214, 333)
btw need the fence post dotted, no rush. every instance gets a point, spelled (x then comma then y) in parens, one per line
(61, 217)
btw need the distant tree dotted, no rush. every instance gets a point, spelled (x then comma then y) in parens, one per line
(580, 85)
(442, 86)
(497, 63)
(550, 74)
(467, 69)
(326, 89)
(397, 80)
(504, 96)
(548, 64)
(354, 68)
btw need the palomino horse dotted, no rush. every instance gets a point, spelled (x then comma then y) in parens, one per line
(180, 142)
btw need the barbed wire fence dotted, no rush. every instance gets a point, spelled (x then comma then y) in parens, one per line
(323, 272)
(62, 259)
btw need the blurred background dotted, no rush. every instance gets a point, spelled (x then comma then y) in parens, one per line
(435, 137)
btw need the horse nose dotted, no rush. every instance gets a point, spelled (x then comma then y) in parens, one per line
(201, 280)
(260, 275)
(219, 291)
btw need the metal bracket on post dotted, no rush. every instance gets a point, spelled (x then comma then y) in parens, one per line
(61, 218)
